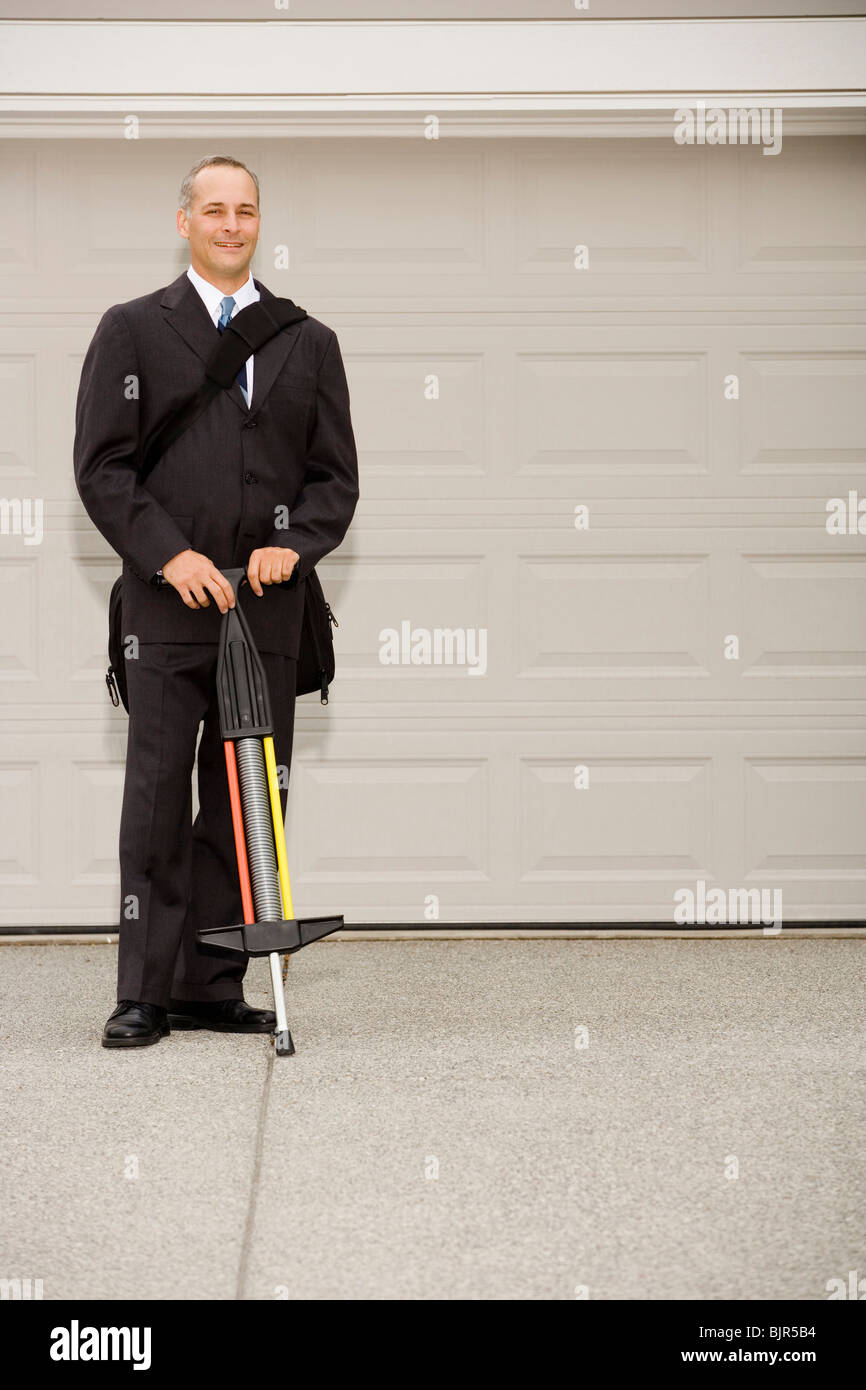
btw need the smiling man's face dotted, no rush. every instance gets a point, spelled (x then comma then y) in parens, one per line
(223, 225)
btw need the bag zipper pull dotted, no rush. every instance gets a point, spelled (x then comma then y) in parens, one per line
(331, 618)
(112, 686)
(324, 699)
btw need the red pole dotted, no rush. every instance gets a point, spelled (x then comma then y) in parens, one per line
(238, 826)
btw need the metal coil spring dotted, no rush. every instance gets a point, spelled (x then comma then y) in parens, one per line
(259, 830)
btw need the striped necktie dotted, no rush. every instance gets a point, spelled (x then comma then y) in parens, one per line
(227, 306)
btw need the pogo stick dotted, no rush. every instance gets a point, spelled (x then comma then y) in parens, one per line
(269, 927)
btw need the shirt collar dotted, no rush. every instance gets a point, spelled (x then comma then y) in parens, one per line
(213, 296)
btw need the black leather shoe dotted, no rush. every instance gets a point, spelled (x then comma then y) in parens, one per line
(221, 1016)
(135, 1025)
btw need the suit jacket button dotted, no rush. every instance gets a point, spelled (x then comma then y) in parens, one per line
(250, 424)
(249, 477)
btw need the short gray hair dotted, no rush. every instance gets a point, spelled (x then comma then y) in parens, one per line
(209, 161)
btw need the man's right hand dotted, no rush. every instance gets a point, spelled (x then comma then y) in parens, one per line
(195, 576)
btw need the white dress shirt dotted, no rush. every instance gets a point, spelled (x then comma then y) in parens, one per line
(212, 299)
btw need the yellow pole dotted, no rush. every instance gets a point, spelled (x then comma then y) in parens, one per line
(279, 829)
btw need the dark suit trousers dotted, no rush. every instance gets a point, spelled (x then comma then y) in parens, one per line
(177, 876)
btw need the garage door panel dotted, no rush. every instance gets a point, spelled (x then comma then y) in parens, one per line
(59, 814)
(18, 186)
(806, 617)
(803, 412)
(21, 861)
(94, 789)
(91, 227)
(419, 417)
(611, 413)
(398, 599)
(18, 375)
(616, 618)
(614, 819)
(40, 365)
(82, 655)
(19, 640)
(417, 208)
(421, 817)
(121, 194)
(821, 231)
(633, 215)
(54, 654)
(804, 819)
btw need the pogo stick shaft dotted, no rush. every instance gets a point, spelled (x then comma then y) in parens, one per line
(263, 866)
(279, 828)
(238, 828)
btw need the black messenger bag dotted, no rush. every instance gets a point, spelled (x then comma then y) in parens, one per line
(248, 331)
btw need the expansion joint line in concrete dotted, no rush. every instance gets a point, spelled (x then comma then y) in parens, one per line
(250, 1223)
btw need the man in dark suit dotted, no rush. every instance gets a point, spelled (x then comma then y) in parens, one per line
(266, 477)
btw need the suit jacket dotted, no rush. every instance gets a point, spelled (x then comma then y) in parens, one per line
(227, 484)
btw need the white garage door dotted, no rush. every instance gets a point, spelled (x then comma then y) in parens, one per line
(671, 689)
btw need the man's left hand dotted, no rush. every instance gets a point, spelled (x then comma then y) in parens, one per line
(270, 565)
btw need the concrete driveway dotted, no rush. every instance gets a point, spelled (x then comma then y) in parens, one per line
(462, 1119)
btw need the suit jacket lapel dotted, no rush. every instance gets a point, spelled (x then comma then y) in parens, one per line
(184, 311)
(270, 359)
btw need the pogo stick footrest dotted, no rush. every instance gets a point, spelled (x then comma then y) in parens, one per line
(261, 938)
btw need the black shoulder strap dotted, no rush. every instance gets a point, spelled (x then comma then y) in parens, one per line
(248, 331)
